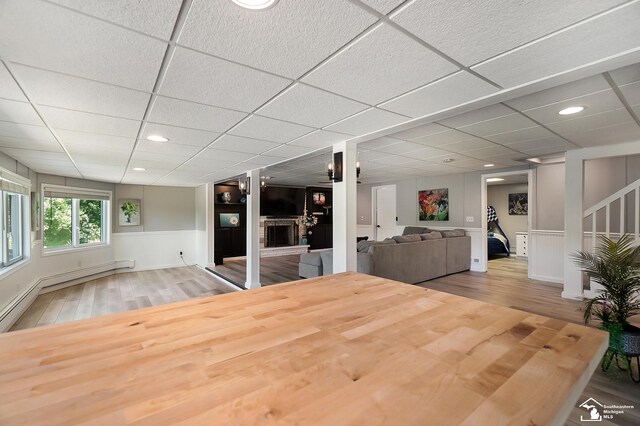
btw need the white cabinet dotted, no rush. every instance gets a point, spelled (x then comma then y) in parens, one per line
(522, 244)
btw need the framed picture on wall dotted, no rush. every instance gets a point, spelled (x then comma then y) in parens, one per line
(319, 198)
(129, 212)
(229, 220)
(518, 204)
(433, 204)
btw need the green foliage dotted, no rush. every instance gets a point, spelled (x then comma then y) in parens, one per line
(129, 209)
(58, 218)
(616, 267)
(57, 222)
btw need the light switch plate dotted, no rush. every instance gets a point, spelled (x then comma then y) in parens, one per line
(469, 219)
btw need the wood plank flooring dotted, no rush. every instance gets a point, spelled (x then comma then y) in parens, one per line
(118, 293)
(273, 270)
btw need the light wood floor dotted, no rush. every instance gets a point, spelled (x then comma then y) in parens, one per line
(118, 293)
(504, 284)
(273, 270)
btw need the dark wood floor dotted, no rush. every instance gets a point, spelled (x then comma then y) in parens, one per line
(504, 284)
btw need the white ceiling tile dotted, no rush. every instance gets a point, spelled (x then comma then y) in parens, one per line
(309, 106)
(180, 135)
(626, 75)
(22, 154)
(491, 152)
(379, 143)
(367, 121)
(25, 131)
(8, 87)
(477, 116)
(168, 148)
(156, 160)
(52, 89)
(617, 32)
(440, 95)
(551, 144)
(115, 143)
(530, 133)
(383, 6)
(19, 112)
(598, 129)
(419, 131)
(31, 34)
(594, 103)
(288, 39)
(442, 138)
(34, 144)
(319, 139)
(227, 156)
(395, 160)
(467, 145)
(631, 93)
(240, 144)
(196, 116)
(549, 149)
(472, 31)
(66, 119)
(430, 153)
(202, 78)
(155, 17)
(609, 135)
(507, 123)
(96, 161)
(288, 151)
(205, 165)
(381, 65)
(259, 161)
(401, 147)
(582, 87)
(268, 129)
(366, 156)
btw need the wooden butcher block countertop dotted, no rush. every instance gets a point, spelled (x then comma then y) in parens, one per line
(341, 349)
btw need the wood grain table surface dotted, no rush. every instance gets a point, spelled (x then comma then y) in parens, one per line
(341, 349)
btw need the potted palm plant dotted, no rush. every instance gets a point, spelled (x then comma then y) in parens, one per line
(616, 267)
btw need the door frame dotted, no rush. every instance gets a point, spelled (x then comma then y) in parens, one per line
(374, 204)
(530, 216)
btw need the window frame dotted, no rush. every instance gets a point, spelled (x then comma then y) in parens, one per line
(77, 195)
(5, 232)
(12, 184)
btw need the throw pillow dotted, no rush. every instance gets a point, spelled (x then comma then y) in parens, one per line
(453, 233)
(410, 230)
(407, 238)
(433, 235)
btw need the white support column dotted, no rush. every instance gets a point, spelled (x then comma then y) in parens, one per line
(573, 210)
(345, 211)
(253, 231)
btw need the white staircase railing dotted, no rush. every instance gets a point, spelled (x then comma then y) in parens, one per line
(606, 204)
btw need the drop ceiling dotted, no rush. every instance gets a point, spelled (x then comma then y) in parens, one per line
(84, 82)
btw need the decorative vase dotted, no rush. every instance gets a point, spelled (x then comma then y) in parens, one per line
(225, 197)
(631, 341)
(303, 240)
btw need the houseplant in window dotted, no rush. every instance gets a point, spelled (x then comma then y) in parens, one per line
(616, 267)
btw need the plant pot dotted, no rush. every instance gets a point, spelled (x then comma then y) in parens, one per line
(631, 340)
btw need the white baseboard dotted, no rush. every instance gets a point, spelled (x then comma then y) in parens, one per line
(154, 267)
(554, 280)
(16, 308)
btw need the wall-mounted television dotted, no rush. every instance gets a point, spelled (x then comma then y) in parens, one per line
(282, 201)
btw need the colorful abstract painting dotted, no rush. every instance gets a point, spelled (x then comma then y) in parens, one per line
(433, 204)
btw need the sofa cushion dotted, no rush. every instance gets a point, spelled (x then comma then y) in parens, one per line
(433, 235)
(453, 233)
(311, 259)
(327, 262)
(412, 238)
(410, 230)
(363, 246)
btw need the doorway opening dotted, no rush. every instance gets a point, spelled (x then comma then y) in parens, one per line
(384, 218)
(507, 205)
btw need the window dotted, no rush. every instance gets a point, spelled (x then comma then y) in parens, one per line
(75, 217)
(14, 198)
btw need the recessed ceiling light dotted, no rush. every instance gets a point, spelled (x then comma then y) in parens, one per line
(139, 169)
(447, 160)
(489, 165)
(571, 110)
(157, 138)
(255, 4)
(495, 180)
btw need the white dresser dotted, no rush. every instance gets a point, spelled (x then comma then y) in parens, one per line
(522, 244)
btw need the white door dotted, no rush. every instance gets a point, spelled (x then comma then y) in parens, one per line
(384, 213)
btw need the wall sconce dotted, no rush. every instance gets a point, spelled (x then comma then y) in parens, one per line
(245, 186)
(357, 169)
(263, 185)
(334, 169)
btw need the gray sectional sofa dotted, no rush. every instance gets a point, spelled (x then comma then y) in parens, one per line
(419, 254)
